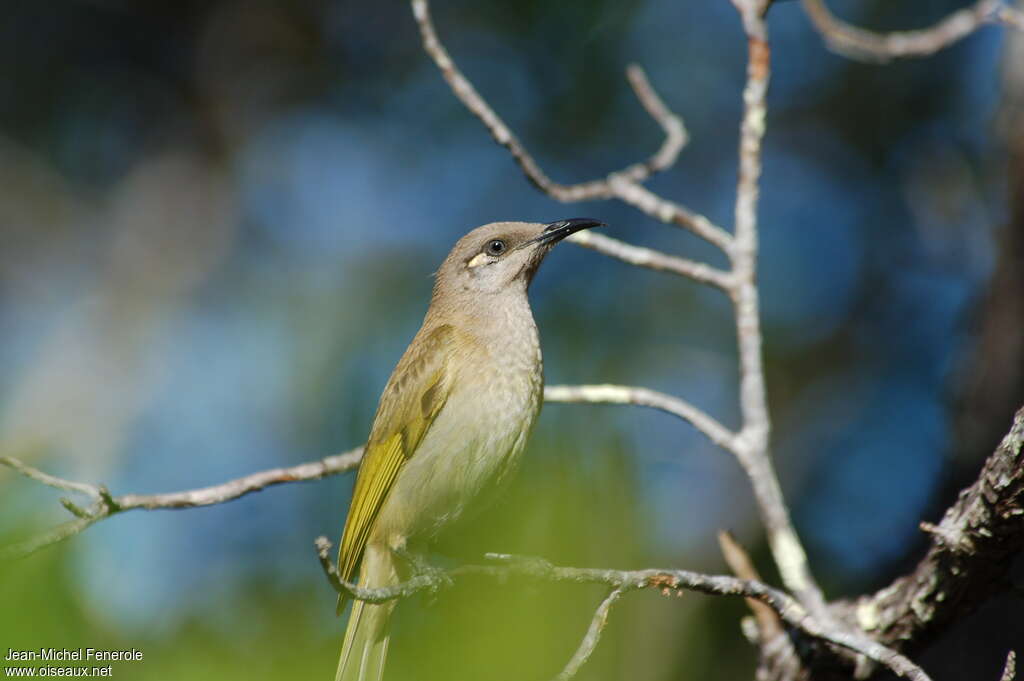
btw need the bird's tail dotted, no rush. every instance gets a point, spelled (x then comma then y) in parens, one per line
(366, 643)
(366, 639)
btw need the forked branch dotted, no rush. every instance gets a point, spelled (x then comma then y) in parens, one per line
(750, 445)
(104, 505)
(623, 184)
(667, 582)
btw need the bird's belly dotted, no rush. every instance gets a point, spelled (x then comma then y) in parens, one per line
(462, 462)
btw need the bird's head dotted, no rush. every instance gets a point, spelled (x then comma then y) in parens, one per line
(503, 255)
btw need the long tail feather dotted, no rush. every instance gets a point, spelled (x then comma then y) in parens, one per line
(366, 644)
(366, 639)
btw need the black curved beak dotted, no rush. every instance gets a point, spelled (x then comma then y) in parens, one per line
(556, 231)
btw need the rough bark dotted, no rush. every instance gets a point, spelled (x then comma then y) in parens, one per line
(971, 552)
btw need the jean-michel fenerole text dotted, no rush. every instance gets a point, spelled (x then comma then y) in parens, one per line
(67, 654)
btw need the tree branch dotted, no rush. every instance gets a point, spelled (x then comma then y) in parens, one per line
(672, 125)
(659, 208)
(52, 536)
(592, 637)
(738, 560)
(675, 132)
(50, 480)
(624, 581)
(751, 445)
(104, 505)
(652, 259)
(967, 562)
(1010, 668)
(982, 525)
(753, 449)
(621, 394)
(623, 184)
(858, 43)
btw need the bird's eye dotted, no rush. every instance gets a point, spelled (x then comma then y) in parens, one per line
(495, 247)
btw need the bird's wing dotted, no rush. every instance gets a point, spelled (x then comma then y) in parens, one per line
(412, 399)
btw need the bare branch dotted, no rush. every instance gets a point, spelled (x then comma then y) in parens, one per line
(753, 449)
(424, 582)
(104, 505)
(738, 560)
(751, 446)
(1010, 669)
(652, 259)
(971, 552)
(218, 494)
(676, 136)
(644, 397)
(623, 184)
(50, 480)
(985, 513)
(665, 157)
(649, 203)
(858, 43)
(51, 536)
(592, 637)
(788, 609)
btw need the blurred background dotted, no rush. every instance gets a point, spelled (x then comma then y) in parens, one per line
(218, 221)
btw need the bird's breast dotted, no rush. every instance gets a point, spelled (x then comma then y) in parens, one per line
(475, 442)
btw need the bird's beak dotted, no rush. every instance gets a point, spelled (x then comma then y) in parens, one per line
(556, 231)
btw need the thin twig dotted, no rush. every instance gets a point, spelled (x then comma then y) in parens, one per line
(1010, 669)
(218, 494)
(858, 43)
(621, 394)
(660, 208)
(593, 636)
(50, 480)
(788, 608)
(675, 133)
(623, 184)
(676, 136)
(751, 446)
(104, 505)
(652, 259)
(52, 536)
(753, 450)
(738, 560)
(778, 651)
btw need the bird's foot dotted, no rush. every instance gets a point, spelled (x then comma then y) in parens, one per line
(438, 577)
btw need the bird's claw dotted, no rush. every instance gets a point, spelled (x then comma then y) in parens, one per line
(438, 577)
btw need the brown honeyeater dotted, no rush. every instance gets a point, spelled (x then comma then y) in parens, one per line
(452, 421)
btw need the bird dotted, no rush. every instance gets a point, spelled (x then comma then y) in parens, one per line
(451, 423)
